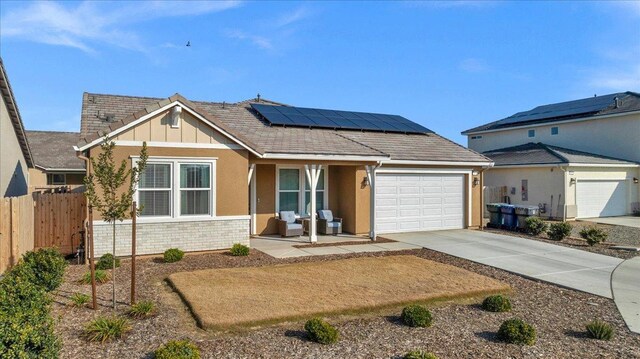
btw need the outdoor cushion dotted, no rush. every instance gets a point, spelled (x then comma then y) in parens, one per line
(291, 226)
(288, 216)
(333, 224)
(325, 214)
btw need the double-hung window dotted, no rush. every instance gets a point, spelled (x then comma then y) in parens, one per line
(294, 191)
(177, 188)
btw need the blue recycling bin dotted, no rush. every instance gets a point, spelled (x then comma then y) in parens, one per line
(508, 212)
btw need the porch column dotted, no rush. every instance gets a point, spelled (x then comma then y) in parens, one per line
(371, 177)
(252, 197)
(313, 174)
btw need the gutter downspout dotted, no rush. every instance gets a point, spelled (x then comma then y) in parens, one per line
(566, 190)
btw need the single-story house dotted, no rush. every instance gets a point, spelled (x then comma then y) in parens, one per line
(56, 166)
(574, 159)
(220, 172)
(15, 154)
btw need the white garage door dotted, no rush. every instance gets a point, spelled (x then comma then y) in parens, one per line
(419, 202)
(601, 198)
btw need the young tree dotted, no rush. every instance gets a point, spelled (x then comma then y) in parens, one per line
(109, 193)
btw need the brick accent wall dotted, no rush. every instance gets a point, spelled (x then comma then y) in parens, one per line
(153, 238)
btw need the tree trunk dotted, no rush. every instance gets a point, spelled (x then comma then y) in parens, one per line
(113, 273)
(92, 265)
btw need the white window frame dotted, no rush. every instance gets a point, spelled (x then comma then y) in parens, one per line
(53, 183)
(169, 189)
(175, 163)
(179, 188)
(302, 190)
(530, 132)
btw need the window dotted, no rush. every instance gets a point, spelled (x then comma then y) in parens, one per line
(56, 179)
(554, 130)
(476, 137)
(532, 133)
(294, 191)
(177, 188)
(154, 190)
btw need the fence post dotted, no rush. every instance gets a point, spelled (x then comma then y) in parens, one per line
(133, 252)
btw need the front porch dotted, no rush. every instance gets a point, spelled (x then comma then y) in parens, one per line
(289, 247)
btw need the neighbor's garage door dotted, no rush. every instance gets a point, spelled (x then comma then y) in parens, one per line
(419, 202)
(601, 198)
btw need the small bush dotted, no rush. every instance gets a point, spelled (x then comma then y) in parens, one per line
(102, 276)
(173, 255)
(177, 349)
(516, 331)
(321, 332)
(26, 326)
(600, 330)
(106, 262)
(142, 309)
(419, 354)
(104, 329)
(496, 303)
(79, 299)
(416, 316)
(239, 250)
(593, 235)
(559, 231)
(535, 226)
(44, 267)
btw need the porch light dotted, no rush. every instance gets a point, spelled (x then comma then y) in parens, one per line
(572, 182)
(365, 181)
(635, 180)
(476, 181)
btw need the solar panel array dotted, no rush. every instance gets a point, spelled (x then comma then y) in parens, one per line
(319, 118)
(564, 109)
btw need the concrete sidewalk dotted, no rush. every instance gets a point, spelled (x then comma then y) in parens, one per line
(567, 267)
(625, 284)
(627, 221)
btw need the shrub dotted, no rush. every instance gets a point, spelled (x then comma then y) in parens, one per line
(44, 267)
(106, 262)
(142, 309)
(26, 326)
(535, 226)
(600, 330)
(516, 331)
(104, 329)
(496, 303)
(102, 276)
(419, 354)
(239, 250)
(416, 316)
(559, 231)
(173, 255)
(321, 332)
(593, 235)
(79, 299)
(177, 349)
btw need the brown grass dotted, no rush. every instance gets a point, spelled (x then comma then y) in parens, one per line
(239, 297)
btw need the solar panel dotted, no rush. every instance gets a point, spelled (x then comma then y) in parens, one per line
(334, 119)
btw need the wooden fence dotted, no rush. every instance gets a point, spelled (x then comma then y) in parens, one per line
(40, 220)
(493, 195)
(16, 229)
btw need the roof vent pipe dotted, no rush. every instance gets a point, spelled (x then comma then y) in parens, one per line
(258, 97)
(617, 101)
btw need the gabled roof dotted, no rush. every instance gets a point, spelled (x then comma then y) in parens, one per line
(14, 114)
(53, 150)
(615, 103)
(244, 123)
(541, 154)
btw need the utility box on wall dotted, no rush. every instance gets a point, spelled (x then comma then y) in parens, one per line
(525, 190)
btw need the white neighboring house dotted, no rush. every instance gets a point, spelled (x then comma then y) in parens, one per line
(576, 159)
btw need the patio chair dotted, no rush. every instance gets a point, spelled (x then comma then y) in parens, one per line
(327, 224)
(287, 226)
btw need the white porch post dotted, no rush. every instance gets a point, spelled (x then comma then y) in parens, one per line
(313, 174)
(371, 177)
(252, 197)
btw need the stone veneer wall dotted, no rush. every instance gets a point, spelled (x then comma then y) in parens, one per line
(189, 236)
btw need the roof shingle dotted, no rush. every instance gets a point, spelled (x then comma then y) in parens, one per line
(54, 150)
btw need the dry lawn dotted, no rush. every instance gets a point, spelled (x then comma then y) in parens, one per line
(236, 297)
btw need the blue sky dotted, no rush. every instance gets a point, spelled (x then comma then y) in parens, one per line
(446, 65)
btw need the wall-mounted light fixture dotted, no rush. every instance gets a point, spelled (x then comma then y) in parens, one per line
(365, 181)
(476, 181)
(635, 179)
(572, 181)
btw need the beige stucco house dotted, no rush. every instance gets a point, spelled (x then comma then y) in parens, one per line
(15, 155)
(576, 159)
(56, 168)
(221, 172)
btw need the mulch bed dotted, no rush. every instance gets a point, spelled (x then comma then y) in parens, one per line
(460, 330)
(572, 242)
(348, 243)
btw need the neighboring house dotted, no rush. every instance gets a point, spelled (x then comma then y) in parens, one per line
(15, 155)
(56, 166)
(575, 159)
(220, 172)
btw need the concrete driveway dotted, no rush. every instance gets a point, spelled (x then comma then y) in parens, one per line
(627, 221)
(567, 267)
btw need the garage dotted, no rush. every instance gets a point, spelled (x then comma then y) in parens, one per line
(407, 202)
(601, 198)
